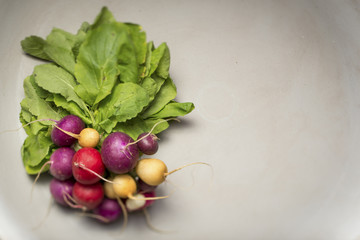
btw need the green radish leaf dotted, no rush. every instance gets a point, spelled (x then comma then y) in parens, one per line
(136, 126)
(152, 85)
(108, 124)
(36, 169)
(149, 49)
(174, 109)
(132, 54)
(126, 101)
(34, 46)
(128, 66)
(160, 61)
(71, 107)
(37, 106)
(73, 41)
(42, 93)
(36, 148)
(56, 80)
(97, 68)
(33, 128)
(138, 38)
(164, 96)
(59, 48)
(105, 16)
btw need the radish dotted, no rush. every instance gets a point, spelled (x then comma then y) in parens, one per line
(151, 170)
(108, 211)
(124, 186)
(134, 205)
(61, 163)
(109, 190)
(88, 137)
(61, 190)
(70, 128)
(88, 196)
(87, 166)
(147, 143)
(116, 155)
(70, 123)
(144, 187)
(154, 171)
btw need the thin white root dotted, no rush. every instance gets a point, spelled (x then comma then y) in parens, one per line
(125, 213)
(93, 172)
(46, 215)
(151, 226)
(148, 198)
(67, 132)
(17, 129)
(179, 168)
(37, 177)
(96, 216)
(67, 198)
(152, 129)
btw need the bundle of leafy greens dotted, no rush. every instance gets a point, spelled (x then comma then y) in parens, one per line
(107, 74)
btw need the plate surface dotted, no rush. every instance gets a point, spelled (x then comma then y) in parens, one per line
(276, 85)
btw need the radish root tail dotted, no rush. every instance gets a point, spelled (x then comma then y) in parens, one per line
(179, 168)
(125, 213)
(150, 225)
(96, 216)
(148, 198)
(37, 177)
(152, 129)
(71, 202)
(93, 172)
(67, 132)
(27, 124)
(46, 215)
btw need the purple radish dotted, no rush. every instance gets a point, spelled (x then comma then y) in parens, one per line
(117, 155)
(147, 143)
(69, 123)
(144, 187)
(61, 163)
(61, 190)
(109, 210)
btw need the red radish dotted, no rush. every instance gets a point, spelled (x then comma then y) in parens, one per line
(70, 123)
(109, 210)
(116, 155)
(87, 166)
(60, 190)
(88, 196)
(147, 143)
(61, 163)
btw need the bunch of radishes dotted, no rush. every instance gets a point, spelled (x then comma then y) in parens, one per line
(104, 181)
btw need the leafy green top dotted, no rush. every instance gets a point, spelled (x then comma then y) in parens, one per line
(107, 74)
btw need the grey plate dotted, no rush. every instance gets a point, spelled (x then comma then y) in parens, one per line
(277, 93)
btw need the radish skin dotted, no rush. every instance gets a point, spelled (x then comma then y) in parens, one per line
(88, 196)
(151, 171)
(124, 185)
(70, 123)
(87, 166)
